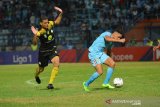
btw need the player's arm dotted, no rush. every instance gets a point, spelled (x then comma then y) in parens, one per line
(35, 40)
(35, 31)
(110, 39)
(59, 18)
(36, 34)
(156, 47)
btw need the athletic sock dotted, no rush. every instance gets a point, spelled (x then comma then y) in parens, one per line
(108, 75)
(53, 74)
(92, 78)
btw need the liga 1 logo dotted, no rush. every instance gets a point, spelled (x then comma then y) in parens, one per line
(22, 59)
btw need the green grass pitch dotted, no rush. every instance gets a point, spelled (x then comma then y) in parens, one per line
(141, 83)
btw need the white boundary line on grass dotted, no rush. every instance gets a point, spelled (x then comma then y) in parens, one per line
(30, 82)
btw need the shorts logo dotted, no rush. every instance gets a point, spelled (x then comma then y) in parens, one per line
(51, 31)
(96, 61)
(39, 63)
(50, 37)
(45, 36)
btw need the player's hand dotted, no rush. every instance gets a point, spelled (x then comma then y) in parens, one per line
(34, 30)
(122, 40)
(58, 9)
(155, 47)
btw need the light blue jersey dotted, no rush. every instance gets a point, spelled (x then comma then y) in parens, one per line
(96, 50)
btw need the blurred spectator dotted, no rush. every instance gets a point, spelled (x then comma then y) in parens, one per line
(133, 42)
(69, 45)
(32, 19)
(145, 40)
(20, 12)
(34, 47)
(149, 42)
(99, 15)
(86, 35)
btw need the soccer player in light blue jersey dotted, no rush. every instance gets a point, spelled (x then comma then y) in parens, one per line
(98, 57)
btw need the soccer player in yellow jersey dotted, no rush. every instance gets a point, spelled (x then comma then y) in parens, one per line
(47, 50)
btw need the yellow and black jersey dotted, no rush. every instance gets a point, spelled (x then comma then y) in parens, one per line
(47, 38)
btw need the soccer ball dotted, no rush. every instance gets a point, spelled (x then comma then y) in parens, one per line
(118, 82)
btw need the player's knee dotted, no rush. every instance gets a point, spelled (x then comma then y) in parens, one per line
(100, 72)
(113, 64)
(56, 64)
(55, 61)
(41, 69)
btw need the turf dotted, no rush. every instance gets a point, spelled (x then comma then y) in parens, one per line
(141, 86)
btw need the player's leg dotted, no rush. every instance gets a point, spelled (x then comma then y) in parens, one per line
(99, 70)
(55, 62)
(38, 71)
(95, 75)
(109, 61)
(42, 61)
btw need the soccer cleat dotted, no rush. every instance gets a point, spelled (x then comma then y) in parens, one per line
(50, 86)
(85, 87)
(108, 86)
(38, 80)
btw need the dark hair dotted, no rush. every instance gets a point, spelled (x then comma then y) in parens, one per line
(119, 29)
(43, 18)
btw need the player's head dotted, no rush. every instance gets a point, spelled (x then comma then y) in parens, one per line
(44, 22)
(116, 35)
(118, 32)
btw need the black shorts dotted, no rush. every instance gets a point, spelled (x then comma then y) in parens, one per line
(45, 57)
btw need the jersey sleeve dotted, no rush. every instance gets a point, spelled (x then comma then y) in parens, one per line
(40, 32)
(51, 24)
(105, 34)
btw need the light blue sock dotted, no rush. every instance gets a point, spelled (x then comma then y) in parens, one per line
(92, 78)
(108, 75)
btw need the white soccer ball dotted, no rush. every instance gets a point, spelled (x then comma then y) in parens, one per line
(118, 82)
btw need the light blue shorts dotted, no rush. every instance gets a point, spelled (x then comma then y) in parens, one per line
(97, 58)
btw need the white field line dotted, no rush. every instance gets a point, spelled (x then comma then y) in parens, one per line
(31, 81)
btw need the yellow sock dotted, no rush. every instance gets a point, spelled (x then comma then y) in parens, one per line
(53, 74)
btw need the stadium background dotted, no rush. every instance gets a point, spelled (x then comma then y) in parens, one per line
(82, 22)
